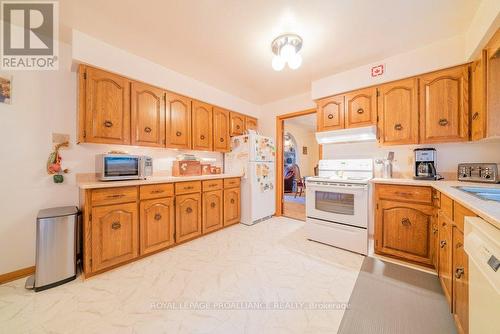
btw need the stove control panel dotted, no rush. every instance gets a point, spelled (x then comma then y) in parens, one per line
(479, 172)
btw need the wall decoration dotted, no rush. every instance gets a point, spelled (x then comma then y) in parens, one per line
(377, 70)
(54, 167)
(5, 90)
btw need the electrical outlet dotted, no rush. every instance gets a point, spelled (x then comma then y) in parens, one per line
(58, 138)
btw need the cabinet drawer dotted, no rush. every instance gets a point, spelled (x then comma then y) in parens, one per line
(232, 183)
(187, 187)
(212, 185)
(114, 195)
(446, 206)
(460, 212)
(415, 194)
(156, 191)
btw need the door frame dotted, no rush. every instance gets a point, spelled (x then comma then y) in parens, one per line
(279, 153)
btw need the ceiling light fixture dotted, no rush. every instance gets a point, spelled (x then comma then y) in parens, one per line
(286, 51)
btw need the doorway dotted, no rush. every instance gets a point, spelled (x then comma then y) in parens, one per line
(297, 155)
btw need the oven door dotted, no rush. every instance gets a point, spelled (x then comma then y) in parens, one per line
(121, 167)
(339, 203)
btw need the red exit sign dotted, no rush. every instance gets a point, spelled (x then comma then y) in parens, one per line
(377, 70)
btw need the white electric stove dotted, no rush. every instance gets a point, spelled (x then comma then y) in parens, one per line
(337, 204)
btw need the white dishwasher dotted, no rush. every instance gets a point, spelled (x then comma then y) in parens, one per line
(482, 245)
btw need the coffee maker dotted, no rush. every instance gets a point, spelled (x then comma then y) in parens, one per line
(425, 164)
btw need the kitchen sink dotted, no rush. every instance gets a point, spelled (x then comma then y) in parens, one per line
(490, 194)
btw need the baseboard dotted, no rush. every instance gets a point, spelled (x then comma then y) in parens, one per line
(20, 273)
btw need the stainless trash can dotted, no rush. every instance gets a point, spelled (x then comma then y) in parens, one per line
(56, 248)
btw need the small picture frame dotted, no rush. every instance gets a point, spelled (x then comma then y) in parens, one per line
(304, 150)
(5, 89)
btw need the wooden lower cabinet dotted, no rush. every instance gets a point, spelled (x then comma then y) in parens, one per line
(460, 282)
(232, 212)
(157, 224)
(445, 255)
(404, 230)
(114, 235)
(213, 213)
(187, 217)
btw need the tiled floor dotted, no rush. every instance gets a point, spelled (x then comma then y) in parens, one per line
(269, 263)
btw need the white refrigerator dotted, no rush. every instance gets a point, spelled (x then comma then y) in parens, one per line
(253, 157)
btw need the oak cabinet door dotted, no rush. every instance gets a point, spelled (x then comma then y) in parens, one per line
(231, 206)
(187, 217)
(331, 113)
(478, 98)
(398, 112)
(107, 108)
(404, 230)
(202, 126)
(460, 282)
(250, 123)
(445, 255)
(361, 108)
(444, 105)
(213, 215)
(114, 235)
(157, 224)
(221, 130)
(178, 121)
(148, 115)
(237, 124)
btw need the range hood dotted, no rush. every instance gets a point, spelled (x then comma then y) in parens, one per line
(363, 134)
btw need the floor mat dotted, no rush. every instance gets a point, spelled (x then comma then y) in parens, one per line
(390, 298)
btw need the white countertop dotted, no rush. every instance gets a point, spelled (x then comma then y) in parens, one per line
(488, 210)
(89, 181)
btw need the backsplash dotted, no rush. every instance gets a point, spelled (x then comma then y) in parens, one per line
(448, 155)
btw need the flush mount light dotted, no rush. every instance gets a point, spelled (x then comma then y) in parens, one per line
(286, 51)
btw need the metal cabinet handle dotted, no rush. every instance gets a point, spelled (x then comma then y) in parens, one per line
(360, 111)
(222, 140)
(442, 243)
(330, 116)
(398, 127)
(212, 205)
(108, 124)
(178, 133)
(202, 137)
(237, 127)
(147, 129)
(159, 191)
(232, 200)
(116, 225)
(402, 194)
(189, 188)
(459, 272)
(116, 196)
(458, 245)
(475, 116)
(157, 216)
(435, 230)
(405, 222)
(189, 210)
(443, 122)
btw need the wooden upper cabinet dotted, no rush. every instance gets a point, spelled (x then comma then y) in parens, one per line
(361, 108)
(178, 121)
(221, 130)
(404, 230)
(398, 112)
(187, 217)
(147, 115)
(114, 235)
(202, 126)
(330, 113)
(444, 111)
(478, 98)
(492, 59)
(250, 123)
(157, 224)
(237, 124)
(107, 107)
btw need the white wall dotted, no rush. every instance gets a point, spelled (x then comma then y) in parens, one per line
(448, 155)
(44, 102)
(485, 22)
(304, 137)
